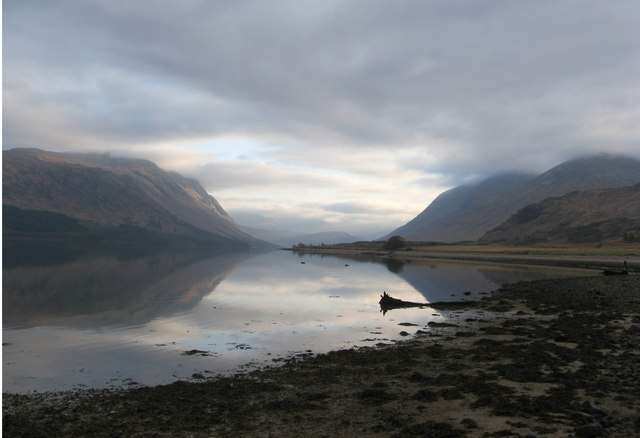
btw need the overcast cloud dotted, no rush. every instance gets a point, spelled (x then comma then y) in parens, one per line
(353, 114)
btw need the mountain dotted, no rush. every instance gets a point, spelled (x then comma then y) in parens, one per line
(467, 212)
(580, 216)
(287, 239)
(435, 222)
(275, 236)
(98, 191)
(327, 237)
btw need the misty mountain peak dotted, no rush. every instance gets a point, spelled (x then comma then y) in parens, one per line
(467, 212)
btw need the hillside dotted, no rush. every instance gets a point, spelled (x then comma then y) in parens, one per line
(434, 223)
(468, 212)
(587, 216)
(103, 191)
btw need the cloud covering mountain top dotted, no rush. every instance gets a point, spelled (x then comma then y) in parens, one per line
(325, 109)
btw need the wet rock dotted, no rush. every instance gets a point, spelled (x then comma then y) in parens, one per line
(431, 429)
(451, 394)
(376, 396)
(418, 377)
(469, 423)
(283, 405)
(435, 324)
(425, 395)
(587, 408)
(463, 334)
(589, 431)
(196, 353)
(317, 396)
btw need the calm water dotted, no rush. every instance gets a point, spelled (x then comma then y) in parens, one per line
(106, 321)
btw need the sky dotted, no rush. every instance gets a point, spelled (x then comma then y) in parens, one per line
(325, 115)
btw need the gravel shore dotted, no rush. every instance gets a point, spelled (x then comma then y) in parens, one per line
(555, 358)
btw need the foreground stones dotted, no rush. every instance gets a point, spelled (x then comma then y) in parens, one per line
(548, 358)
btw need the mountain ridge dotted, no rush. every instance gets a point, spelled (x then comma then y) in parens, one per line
(114, 191)
(457, 201)
(477, 215)
(577, 217)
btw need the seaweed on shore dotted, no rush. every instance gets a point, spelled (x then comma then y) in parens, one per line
(560, 361)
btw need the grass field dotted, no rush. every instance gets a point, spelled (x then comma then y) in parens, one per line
(604, 250)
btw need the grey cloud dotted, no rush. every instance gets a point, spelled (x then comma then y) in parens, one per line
(356, 208)
(220, 175)
(483, 85)
(276, 220)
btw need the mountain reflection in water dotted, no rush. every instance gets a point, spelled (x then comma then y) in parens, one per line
(82, 320)
(106, 290)
(455, 281)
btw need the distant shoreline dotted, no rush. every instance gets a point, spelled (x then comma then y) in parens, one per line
(567, 261)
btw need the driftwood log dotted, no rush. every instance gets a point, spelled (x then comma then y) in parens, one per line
(387, 302)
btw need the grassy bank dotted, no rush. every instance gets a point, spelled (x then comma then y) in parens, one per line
(607, 249)
(571, 256)
(600, 250)
(553, 358)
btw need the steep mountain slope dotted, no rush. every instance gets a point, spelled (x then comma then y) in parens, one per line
(587, 216)
(434, 222)
(114, 191)
(472, 211)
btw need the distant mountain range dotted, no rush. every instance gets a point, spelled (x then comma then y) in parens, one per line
(287, 239)
(102, 199)
(587, 216)
(327, 237)
(466, 213)
(66, 195)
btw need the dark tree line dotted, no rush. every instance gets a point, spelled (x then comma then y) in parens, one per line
(394, 243)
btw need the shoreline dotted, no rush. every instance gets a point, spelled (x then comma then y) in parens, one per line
(550, 357)
(565, 261)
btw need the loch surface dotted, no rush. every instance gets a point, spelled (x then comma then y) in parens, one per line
(106, 321)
